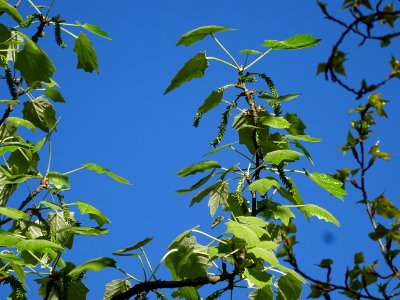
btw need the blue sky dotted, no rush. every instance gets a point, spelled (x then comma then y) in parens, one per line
(121, 120)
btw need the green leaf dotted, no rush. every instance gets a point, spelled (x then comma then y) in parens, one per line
(93, 212)
(264, 293)
(13, 213)
(253, 221)
(134, 247)
(260, 278)
(280, 98)
(326, 263)
(38, 245)
(249, 51)
(297, 127)
(101, 170)
(50, 205)
(243, 231)
(289, 288)
(303, 137)
(96, 265)
(11, 257)
(54, 94)
(11, 11)
(94, 29)
(198, 167)
(21, 122)
(278, 156)
(196, 185)
(218, 197)
(328, 183)
(263, 185)
(115, 288)
(298, 41)
(90, 231)
(9, 102)
(212, 101)
(194, 68)
(190, 260)
(87, 58)
(281, 212)
(266, 254)
(313, 210)
(8, 239)
(219, 149)
(33, 63)
(199, 33)
(275, 122)
(58, 180)
(57, 221)
(358, 258)
(40, 113)
(203, 193)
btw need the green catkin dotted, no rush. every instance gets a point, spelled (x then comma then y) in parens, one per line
(66, 212)
(285, 180)
(238, 191)
(276, 106)
(18, 290)
(197, 119)
(29, 19)
(9, 77)
(222, 126)
(57, 34)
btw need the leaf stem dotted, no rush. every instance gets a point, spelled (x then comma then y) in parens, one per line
(35, 7)
(75, 170)
(220, 60)
(128, 275)
(227, 52)
(207, 235)
(69, 32)
(257, 59)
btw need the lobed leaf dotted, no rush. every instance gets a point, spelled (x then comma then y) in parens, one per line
(278, 156)
(263, 185)
(328, 183)
(313, 210)
(275, 122)
(58, 180)
(87, 58)
(93, 212)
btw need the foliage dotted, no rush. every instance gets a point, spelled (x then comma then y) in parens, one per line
(37, 230)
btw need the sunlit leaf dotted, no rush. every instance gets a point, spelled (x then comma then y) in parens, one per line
(115, 288)
(278, 156)
(263, 185)
(289, 288)
(93, 212)
(54, 94)
(198, 34)
(96, 265)
(264, 293)
(218, 197)
(328, 183)
(21, 122)
(213, 100)
(243, 231)
(198, 167)
(101, 170)
(275, 122)
(193, 68)
(11, 11)
(58, 180)
(40, 113)
(298, 41)
(38, 245)
(279, 98)
(313, 210)
(13, 213)
(259, 278)
(94, 29)
(135, 247)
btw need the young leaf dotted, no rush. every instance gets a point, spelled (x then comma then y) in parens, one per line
(249, 51)
(58, 180)
(198, 167)
(312, 210)
(100, 170)
(134, 247)
(275, 122)
(212, 101)
(298, 41)
(260, 278)
(11, 11)
(13, 213)
(21, 122)
(96, 265)
(303, 137)
(198, 34)
(266, 254)
(218, 197)
(87, 58)
(81, 230)
(328, 183)
(33, 63)
(94, 29)
(38, 245)
(280, 98)
(263, 185)
(93, 212)
(193, 68)
(243, 231)
(278, 156)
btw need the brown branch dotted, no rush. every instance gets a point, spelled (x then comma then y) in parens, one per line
(148, 286)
